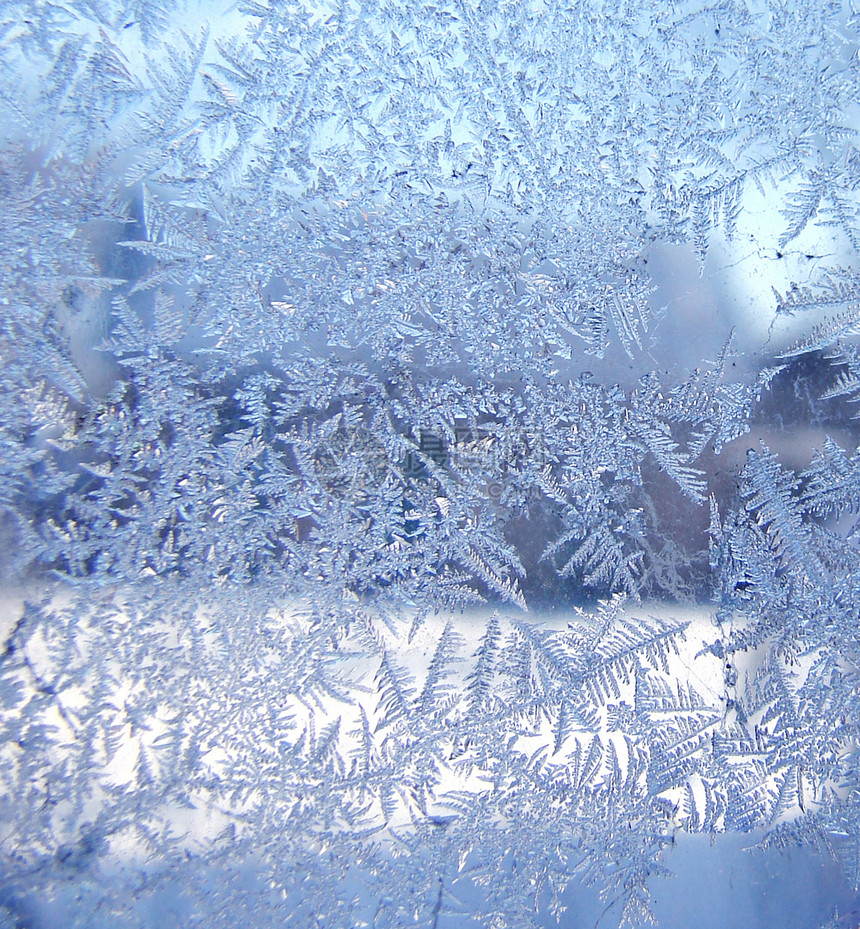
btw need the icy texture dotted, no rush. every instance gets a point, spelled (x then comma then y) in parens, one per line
(324, 323)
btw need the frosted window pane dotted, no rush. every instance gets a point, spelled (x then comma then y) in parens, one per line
(429, 468)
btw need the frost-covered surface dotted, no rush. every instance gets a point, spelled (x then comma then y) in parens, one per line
(427, 464)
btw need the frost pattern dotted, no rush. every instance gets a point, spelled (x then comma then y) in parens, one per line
(337, 317)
